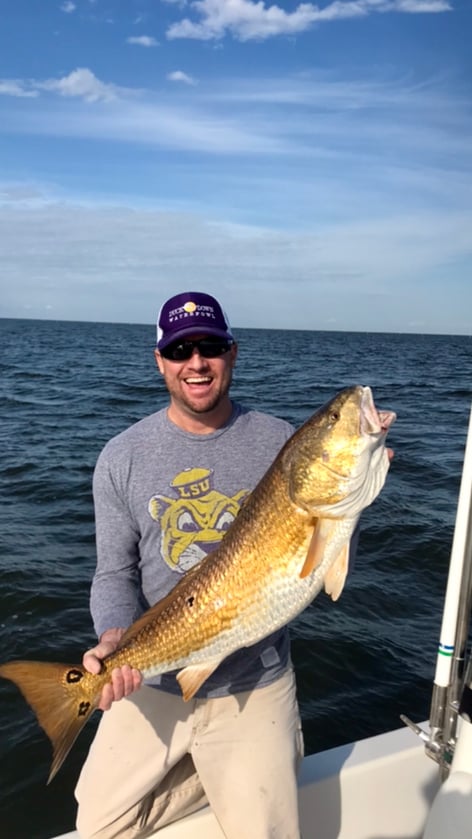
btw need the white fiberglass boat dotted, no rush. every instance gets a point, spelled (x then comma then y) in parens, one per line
(397, 785)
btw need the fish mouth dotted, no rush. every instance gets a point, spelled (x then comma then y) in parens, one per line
(374, 422)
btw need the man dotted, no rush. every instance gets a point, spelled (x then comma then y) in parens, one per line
(165, 491)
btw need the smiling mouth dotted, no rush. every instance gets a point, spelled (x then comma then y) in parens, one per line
(198, 380)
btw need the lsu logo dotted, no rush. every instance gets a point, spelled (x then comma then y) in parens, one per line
(193, 523)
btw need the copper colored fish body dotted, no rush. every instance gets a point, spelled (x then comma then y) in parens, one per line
(290, 539)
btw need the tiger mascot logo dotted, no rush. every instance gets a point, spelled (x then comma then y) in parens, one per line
(193, 523)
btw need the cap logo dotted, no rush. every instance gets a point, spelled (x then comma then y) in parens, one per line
(190, 309)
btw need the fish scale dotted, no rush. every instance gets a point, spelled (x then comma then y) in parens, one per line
(290, 539)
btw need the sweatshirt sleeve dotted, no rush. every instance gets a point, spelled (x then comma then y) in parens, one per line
(114, 600)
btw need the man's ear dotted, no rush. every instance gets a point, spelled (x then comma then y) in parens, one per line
(159, 362)
(234, 353)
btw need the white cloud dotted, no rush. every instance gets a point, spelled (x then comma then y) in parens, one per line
(81, 83)
(142, 40)
(14, 87)
(423, 6)
(68, 7)
(180, 76)
(117, 263)
(247, 20)
(20, 193)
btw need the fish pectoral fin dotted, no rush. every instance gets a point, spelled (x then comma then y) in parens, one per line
(321, 532)
(57, 697)
(336, 576)
(191, 678)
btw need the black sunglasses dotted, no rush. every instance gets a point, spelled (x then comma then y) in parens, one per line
(207, 348)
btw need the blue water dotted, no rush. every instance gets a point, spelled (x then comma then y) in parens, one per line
(66, 388)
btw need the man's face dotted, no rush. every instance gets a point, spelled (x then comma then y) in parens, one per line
(198, 385)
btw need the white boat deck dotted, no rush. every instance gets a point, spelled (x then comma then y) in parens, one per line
(378, 788)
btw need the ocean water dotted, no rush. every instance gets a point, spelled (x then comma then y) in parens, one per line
(66, 388)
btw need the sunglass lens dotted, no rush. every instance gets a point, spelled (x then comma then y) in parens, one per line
(207, 347)
(212, 348)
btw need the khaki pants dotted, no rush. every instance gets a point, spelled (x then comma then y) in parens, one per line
(156, 758)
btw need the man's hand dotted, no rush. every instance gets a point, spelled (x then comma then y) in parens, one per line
(124, 680)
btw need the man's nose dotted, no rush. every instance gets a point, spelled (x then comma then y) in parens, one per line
(200, 357)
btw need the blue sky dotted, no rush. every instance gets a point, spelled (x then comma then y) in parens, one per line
(310, 164)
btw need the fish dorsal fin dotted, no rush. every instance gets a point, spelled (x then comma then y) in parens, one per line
(336, 576)
(321, 531)
(191, 678)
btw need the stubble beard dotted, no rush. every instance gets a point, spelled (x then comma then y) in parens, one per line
(195, 407)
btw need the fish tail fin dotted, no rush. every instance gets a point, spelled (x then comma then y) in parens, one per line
(61, 703)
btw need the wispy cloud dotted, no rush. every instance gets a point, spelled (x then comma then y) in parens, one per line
(158, 125)
(422, 6)
(316, 118)
(180, 76)
(68, 7)
(286, 152)
(20, 193)
(80, 84)
(142, 40)
(246, 20)
(13, 87)
(355, 272)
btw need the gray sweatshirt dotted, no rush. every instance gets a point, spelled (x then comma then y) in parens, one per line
(163, 499)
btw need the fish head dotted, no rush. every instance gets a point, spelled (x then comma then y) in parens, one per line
(337, 461)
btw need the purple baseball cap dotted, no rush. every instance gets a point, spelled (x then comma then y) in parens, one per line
(191, 312)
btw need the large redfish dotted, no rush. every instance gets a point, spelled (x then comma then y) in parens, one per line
(290, 539)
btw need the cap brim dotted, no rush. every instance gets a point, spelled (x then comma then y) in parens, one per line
(192, 330)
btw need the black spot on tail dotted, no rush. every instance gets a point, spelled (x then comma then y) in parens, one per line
(83, 709)
(73, 676)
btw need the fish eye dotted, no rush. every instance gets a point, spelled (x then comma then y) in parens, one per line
(334, 416)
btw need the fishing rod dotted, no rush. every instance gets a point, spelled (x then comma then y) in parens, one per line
(449, 681)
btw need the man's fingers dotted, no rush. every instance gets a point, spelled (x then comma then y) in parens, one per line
(106, 699)
(137, 678)
(124, 681)
(91, 662)
(120, 678)
(92, 659)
